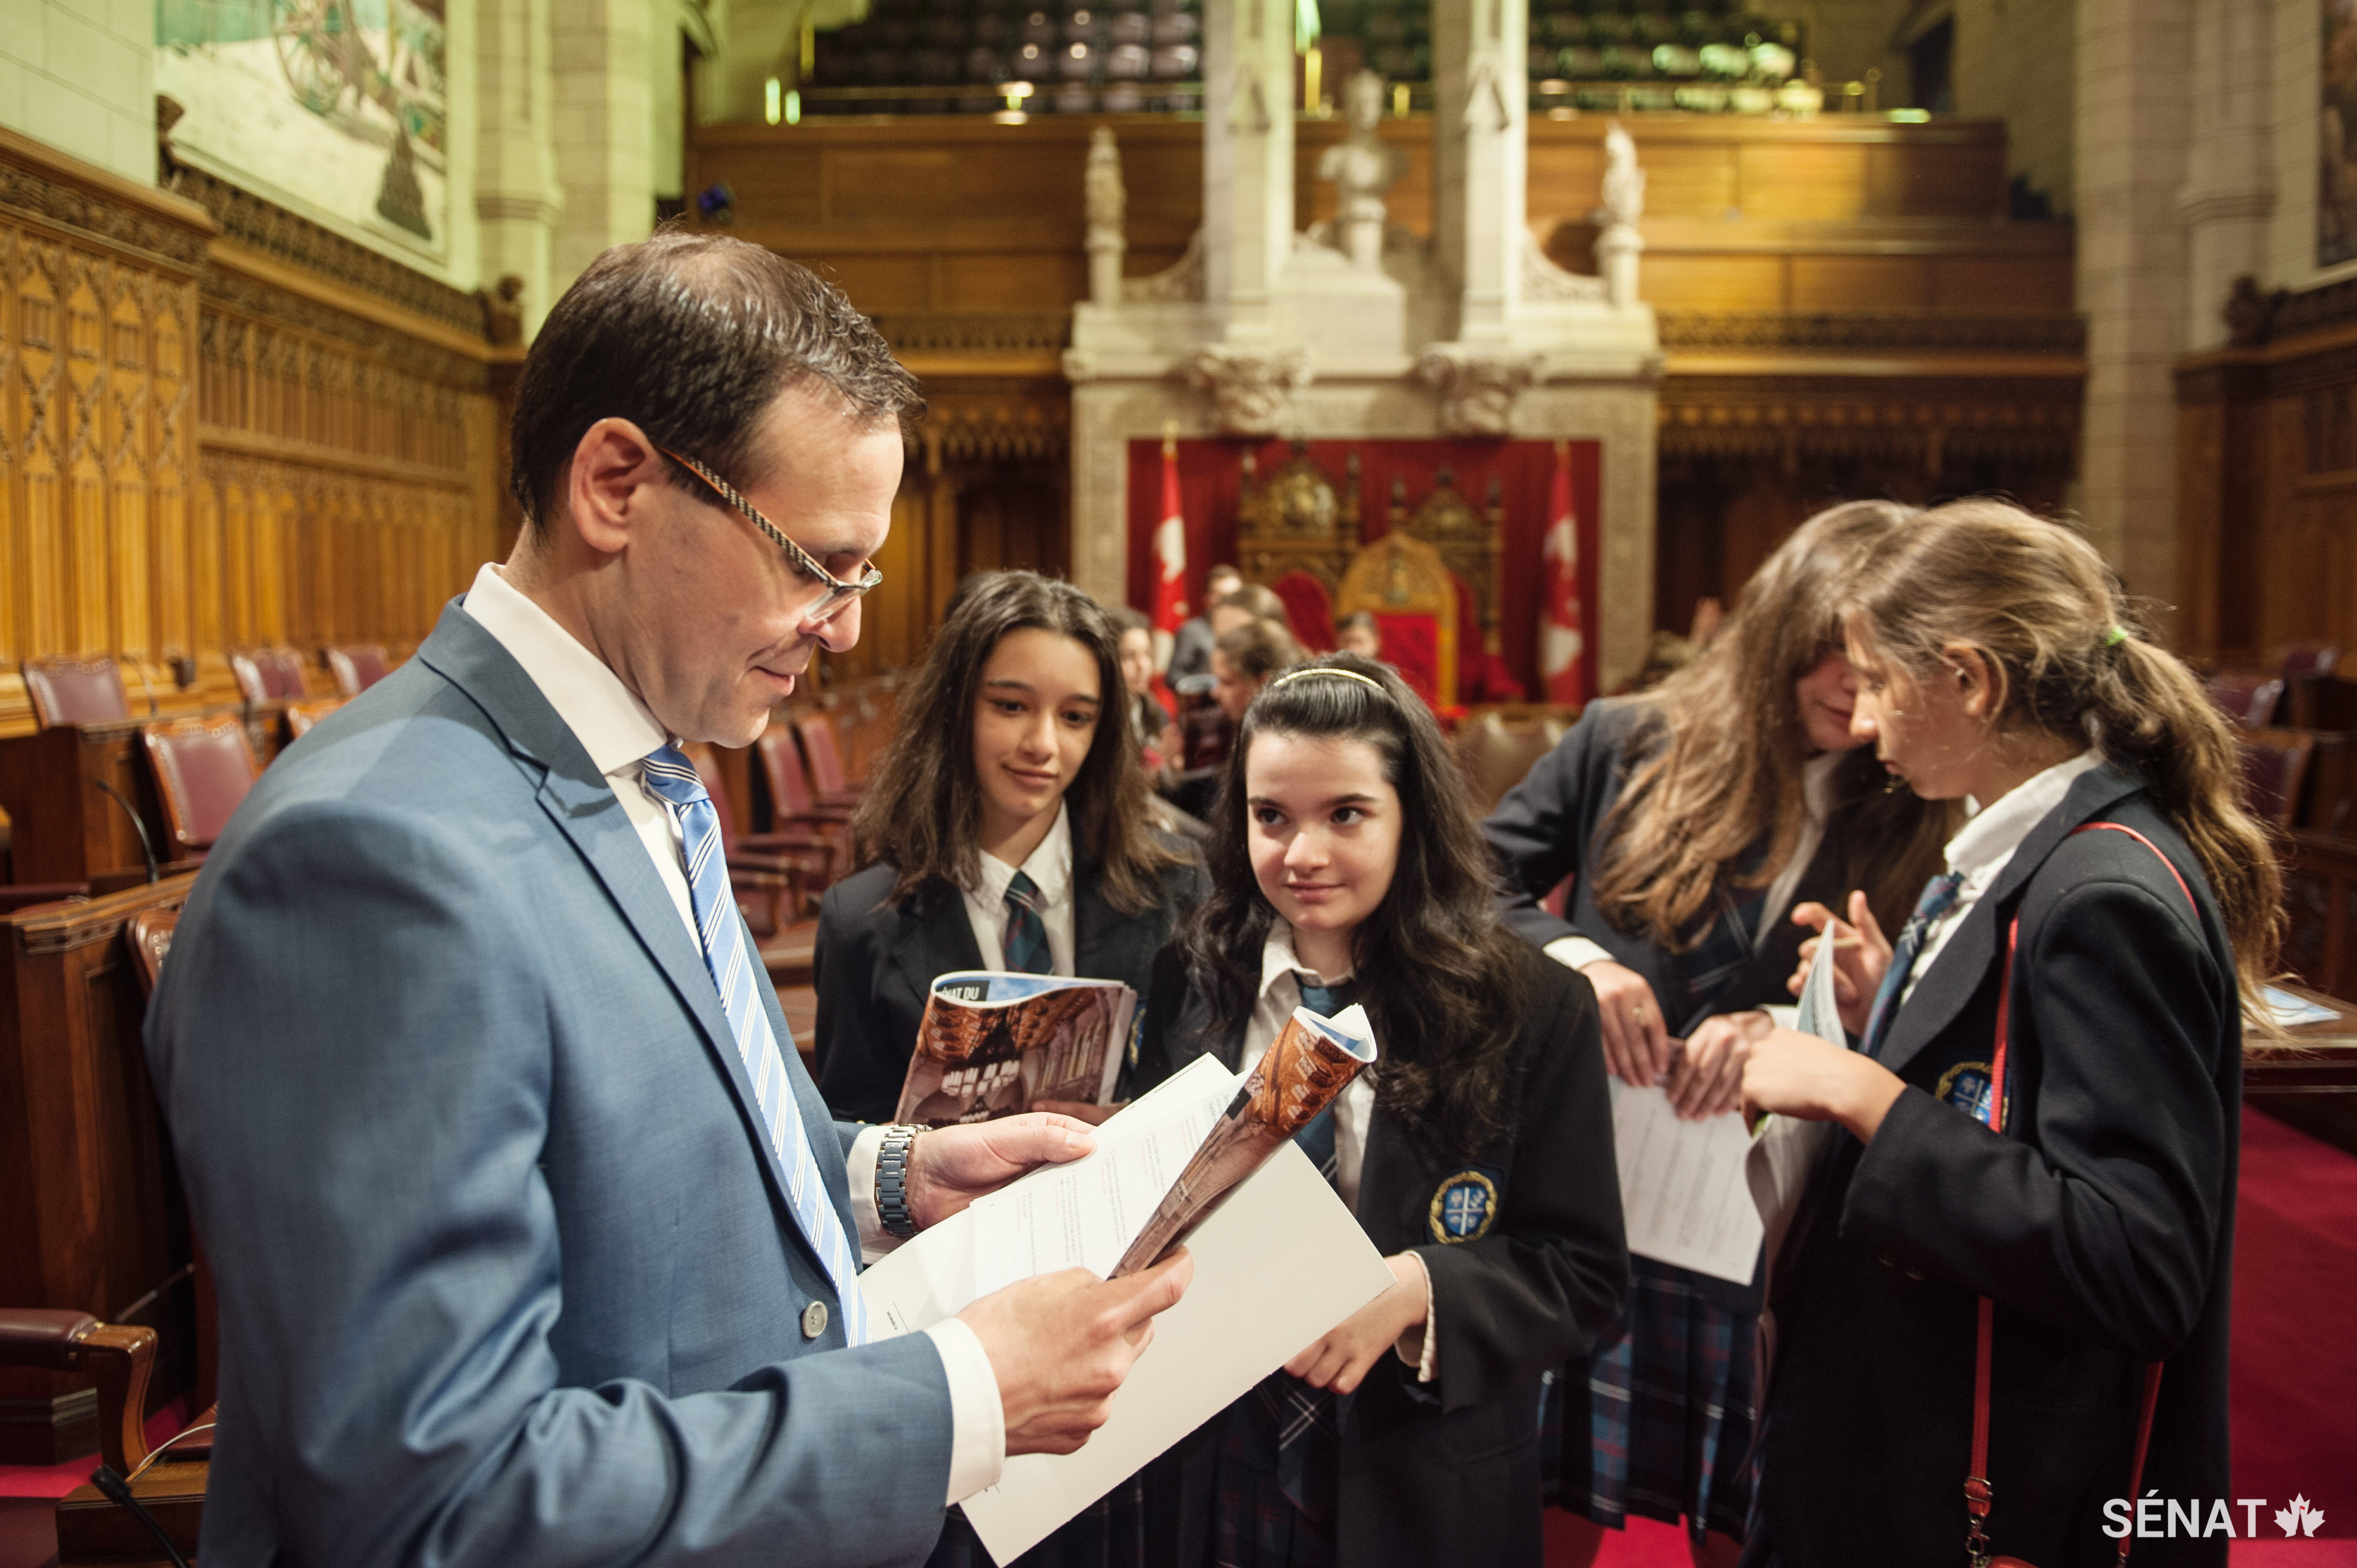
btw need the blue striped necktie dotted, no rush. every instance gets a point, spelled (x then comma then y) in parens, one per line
(1025, 950)
(720, 932)
(1939, 897)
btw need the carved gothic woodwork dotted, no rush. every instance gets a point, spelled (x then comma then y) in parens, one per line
(222, 426)
(1297, 520)
(1469, 542)
(1404, 584)
(1477, 391)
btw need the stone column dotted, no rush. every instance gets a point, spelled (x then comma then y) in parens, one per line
(2230, 183)
(1247, 161)
(1480, 100)
(604, 135)
(2134, 86)
(517, 200)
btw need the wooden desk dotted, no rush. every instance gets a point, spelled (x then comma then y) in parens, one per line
(2318, 1058)
(90, 1199)
(67, 829)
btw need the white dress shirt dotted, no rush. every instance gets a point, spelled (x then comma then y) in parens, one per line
(1281, 975)
(1050, 867)
(1817, 806)
(1984, 846)
(620, 733)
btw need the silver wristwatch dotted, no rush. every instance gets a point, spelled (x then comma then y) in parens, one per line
(892, 1180)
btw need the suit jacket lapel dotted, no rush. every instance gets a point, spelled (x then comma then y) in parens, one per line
(1106, 943)
(1957, 970)
(935, 939)
(583, 807)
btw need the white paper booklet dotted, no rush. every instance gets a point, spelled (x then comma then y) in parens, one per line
(1683, 1193)
(1277, 1264)
(1786, 1152)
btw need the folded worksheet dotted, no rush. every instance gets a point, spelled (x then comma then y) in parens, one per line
(1785, 1151)
(991, 1043)
(1684, 1198)
(1277, 1264)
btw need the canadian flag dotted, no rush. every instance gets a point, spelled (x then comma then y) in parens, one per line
(1169, 560)
(1563, 651)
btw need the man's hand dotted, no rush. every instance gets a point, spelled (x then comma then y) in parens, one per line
(1636, 1036)
(1861, 954)
(949, 1168)
(1340, 1360)
(1708, 1079)
(1800, 1075)
(1062, 1343)
(1080, 1110)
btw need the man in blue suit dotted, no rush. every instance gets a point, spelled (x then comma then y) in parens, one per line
(534, 1243)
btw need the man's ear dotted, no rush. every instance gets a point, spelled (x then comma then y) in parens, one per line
(607, 485)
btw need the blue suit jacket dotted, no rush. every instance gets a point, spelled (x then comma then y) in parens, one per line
(506, 1272)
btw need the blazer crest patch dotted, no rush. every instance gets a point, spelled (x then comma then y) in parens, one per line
(1464, 1207)
(1966, 1086)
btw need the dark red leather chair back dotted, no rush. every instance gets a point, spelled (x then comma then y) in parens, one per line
(825, 761)
(281, 672)
(707, 768)
(782, 765)
(251, 684)
(357, 668)
(204, 770)
(75, 690)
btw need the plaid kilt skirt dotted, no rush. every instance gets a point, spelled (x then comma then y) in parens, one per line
(1658, 1422)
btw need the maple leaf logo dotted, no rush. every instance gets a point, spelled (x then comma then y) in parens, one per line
(2299, 1518)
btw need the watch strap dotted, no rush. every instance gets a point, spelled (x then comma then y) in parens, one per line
(892, 1180)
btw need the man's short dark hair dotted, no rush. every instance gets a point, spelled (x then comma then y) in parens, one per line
(692, 337)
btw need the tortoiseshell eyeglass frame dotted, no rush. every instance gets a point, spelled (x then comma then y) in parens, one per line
(839, 594)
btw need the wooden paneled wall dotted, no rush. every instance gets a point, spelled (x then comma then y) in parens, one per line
(2267, 469)
(1845, 309)
(220, 426)
(961, 216)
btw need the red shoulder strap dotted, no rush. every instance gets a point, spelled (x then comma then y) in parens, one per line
(1978, 1493)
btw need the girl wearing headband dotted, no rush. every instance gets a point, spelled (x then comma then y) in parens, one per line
(2029, 1188)
(1477, 1152)
(1693, 818)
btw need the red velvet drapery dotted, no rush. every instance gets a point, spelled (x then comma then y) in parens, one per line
(1210, 476)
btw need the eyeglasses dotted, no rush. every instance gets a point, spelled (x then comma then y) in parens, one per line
(839, 594)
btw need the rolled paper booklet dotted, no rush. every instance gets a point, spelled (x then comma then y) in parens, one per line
(1313, 1060)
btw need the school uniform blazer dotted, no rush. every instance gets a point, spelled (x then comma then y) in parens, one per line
(507, 1272)
(1550, 826)
(1448, 1471)
(875, 961)
(2101, 1222)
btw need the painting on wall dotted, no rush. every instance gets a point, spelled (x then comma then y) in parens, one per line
(333, 108)
(2336, 158)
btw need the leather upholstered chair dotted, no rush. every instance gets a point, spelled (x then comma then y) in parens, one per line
(246, 670)
(75, 692)
(204, 770)
(2247, 697)
(828, 782)
(768, 885)
(149, 934)
(357, 666)
(2274, 772)
(168, 1480)
(301, 715)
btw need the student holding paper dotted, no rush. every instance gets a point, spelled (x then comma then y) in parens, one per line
(1008, 828)
(2035, 1180)
(1476, 1151)
(1692, 818)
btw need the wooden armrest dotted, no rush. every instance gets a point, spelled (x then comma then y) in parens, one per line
(15, 896)
(119, 1357)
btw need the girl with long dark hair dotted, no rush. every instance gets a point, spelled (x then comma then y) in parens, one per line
(1477, 1151)
(1009, 826)
(2002, 1314)
(1694, 817)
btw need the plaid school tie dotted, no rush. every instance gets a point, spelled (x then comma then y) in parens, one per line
(720, 932)
(1026, 948)
(1939, 897)
(1308, 1421)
